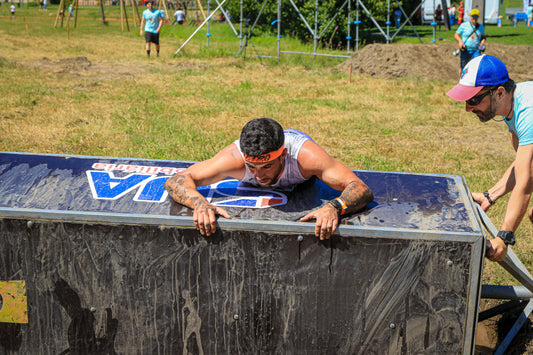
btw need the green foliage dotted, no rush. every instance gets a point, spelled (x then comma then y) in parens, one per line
(333, 18)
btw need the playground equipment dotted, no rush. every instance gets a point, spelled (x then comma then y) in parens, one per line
(73, 13)
(314, 31)
(98, 259)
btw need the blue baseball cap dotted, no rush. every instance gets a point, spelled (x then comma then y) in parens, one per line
(481, 71)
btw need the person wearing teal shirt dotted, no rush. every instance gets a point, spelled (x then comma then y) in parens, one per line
(471, 37)
(151, 24)
(488, 92)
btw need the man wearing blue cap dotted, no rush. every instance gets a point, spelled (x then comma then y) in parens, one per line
(487, 90)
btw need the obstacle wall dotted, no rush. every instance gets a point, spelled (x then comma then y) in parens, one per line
(111, 265)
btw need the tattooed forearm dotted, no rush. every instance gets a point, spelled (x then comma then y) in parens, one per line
(356, 196)
(182, 189)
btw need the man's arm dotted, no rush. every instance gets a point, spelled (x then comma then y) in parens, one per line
(182, 187)
(459, 39)
(313, 160)
(142, 26)
(503, 186)
(483, 36)
(161, 20)
(518, 202)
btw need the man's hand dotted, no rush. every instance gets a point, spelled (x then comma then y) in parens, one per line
(497, 250)
(481, 200)
(327, 220)
(204, 217)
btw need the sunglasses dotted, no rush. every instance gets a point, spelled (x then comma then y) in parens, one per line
(475, 16)
(476, 100)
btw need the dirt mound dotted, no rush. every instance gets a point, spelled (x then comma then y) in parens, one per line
(81, 66)
(428, 61)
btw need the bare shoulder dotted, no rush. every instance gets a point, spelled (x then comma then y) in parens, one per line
(226, 163)
(313, 157)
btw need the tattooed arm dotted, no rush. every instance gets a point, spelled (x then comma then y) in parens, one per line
(182, 187)
(355, 195)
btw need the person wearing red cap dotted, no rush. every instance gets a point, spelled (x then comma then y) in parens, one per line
(268, 156)
(488, 91)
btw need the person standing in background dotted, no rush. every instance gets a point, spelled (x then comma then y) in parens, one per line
(151, 22)
(451, 14)
(471, 37)
(460, 13)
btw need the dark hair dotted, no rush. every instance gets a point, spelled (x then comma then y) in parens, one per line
(508, 85)
(260, 136)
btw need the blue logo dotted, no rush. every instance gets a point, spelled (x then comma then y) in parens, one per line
(464, 72)
(233, 193)
(150, 188)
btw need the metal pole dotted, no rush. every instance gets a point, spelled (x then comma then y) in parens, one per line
(208, 20)
(348, 37)
(372, 18)
(505, 292)
(357, 22)
(511, 263)
(279, 29)
(388, 21)
(240, 25)
(198, 29)
(315, 36)
(318, 54)
(408, 19)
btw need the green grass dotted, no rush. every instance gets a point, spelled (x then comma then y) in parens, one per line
(189, 106)
(224, 42)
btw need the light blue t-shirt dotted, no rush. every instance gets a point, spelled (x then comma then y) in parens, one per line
(470, 35)
(522, 122)
(152, 20)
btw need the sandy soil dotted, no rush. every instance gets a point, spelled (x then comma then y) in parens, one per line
(432, 61)
(380, 60)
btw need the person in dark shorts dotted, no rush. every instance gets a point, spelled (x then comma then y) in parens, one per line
(151, 23)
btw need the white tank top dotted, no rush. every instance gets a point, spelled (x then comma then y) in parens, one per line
(291, 174)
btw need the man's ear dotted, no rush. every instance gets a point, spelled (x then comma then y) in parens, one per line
(500, 91)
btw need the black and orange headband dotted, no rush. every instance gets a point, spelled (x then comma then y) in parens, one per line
(264, 158)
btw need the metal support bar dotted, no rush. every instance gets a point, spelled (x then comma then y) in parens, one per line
(511, 263)
(333, 19)
(317, 54)
(373, 20)
(303, 19)
(499, 309)
(199, 27)
(505, 292)
(248, 36)
(227, 19)
(514, 330)
(408, 19)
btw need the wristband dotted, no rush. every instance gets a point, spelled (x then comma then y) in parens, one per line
(487, 196)
(339, 205)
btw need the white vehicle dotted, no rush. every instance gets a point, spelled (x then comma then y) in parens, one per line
(492, 10)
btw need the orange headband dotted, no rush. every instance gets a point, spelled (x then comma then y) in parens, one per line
(264, 158)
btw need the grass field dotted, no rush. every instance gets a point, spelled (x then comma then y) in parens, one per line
(189, 106)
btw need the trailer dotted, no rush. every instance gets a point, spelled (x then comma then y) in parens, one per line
(489, 10)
